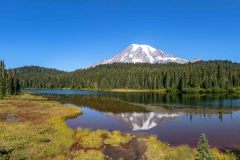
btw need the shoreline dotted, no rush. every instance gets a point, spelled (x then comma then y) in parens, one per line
(42, 124)
(124, 90)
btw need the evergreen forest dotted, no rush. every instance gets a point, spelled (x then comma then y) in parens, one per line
(202, 76)
(9, 81)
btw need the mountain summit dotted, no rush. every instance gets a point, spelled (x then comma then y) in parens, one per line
(136, 53)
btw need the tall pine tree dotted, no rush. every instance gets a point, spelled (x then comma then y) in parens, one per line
(9, 81)
(202, 148)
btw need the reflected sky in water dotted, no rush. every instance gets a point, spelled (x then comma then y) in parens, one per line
(174, 118)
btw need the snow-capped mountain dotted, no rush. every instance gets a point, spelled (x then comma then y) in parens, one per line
(136, 53)
(194, 60)
(144, 121)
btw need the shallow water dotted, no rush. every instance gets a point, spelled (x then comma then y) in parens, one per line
(174, 118)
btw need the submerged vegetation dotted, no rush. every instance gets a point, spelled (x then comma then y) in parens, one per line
(203, 76)
(33, 127)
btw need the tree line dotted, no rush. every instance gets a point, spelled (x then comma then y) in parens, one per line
(200, 76)
(9, 81)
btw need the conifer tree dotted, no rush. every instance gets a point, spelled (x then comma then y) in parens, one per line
(202, 149)
(204, 76)
(8, 84)
(2, 78)
(9, 81)
(17, 86)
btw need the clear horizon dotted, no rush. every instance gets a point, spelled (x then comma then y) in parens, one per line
(69, 35)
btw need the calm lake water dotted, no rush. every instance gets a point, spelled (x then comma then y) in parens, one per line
(174, 118)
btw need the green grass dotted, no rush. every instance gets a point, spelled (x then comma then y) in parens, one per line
(37, 130)
(88, 155)
(116, 138)
(157, 150)
(138, 90)
(88, 139)
(126, 90)
(186, 90)
(33, 128)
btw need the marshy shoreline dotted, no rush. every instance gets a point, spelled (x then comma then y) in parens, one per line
(34, 128)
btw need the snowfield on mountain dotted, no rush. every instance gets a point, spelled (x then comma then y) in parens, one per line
(136, 53)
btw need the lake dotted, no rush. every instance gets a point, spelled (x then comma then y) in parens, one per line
(174, 118)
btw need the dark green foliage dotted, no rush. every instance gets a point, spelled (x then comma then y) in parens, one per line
(3, 76)
(202, 149)
(9, 82)
(204, 76)
(234, 153)
(4, 154)
(39, 77)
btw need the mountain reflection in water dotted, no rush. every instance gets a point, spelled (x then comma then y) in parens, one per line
(143, 121)
(175, 119)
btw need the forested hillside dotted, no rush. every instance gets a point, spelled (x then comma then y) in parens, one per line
(199, 76)
(41, 77)
(9, 82)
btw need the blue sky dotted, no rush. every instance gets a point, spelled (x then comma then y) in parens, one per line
(71, 34)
